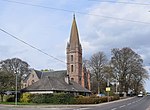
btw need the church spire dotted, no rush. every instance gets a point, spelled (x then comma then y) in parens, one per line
(74, 37)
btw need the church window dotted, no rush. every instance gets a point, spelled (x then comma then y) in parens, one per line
(79, 78)
(71, 68)
(71, 57)
(72, 79)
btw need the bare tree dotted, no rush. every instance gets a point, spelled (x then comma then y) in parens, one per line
(97, 63)
(127, 67)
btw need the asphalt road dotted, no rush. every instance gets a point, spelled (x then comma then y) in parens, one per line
(136, 103)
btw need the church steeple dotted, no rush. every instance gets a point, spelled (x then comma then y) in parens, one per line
(74, 54)
(74, 36)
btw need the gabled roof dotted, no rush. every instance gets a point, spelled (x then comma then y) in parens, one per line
(38, 73)
(26, 78)
(42, 74)
(55, 84)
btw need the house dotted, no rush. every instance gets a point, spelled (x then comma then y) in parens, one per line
(75, 79)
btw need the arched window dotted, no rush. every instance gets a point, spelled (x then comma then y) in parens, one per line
(71, 57)
(71, 68)
(72, 79)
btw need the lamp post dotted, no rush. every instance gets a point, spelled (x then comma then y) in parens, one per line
(108, 89)
(116, 87)
(16, 87)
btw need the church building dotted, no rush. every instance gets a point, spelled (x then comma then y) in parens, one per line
(75, 79)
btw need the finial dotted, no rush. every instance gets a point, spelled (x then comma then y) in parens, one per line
(74, 16)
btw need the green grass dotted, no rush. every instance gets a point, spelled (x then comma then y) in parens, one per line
(19, 103)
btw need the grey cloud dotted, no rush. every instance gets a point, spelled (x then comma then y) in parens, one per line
(104, 34)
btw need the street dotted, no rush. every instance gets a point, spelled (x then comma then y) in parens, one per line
(136, 103)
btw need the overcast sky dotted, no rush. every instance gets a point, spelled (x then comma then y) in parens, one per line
(48, 28)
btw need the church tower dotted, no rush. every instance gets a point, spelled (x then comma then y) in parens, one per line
(74, 55)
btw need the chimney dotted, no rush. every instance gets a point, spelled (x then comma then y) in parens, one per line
(67, 79)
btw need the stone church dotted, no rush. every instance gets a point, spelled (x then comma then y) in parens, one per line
(76, 70)
(75, 79)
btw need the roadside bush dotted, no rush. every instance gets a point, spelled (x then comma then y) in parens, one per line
(87, 100)
(41, 98)
(26, 97)
(57, 98)
(63, 98)
(9, 98)
(94, 99)
(112, 98)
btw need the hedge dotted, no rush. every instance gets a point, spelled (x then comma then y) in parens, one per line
(63, 98)
(57, 98)
(94, 100)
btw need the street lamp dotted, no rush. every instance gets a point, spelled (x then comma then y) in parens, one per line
(117, 83)
(16, 87)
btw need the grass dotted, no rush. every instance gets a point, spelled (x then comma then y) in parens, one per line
(19, 103)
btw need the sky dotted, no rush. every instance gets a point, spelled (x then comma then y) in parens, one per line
(46, 25)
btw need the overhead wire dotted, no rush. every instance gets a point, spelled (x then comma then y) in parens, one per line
(131, 3)
(72, 11)
(31, 45)
(59, 9)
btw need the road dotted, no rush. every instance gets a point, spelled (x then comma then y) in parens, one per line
(136, 103)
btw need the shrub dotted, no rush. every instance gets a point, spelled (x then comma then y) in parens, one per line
(94, 99)
(63, 98)
(10, 98)
(57, 98)
(40, 98)
(26, 97)
(87, 100)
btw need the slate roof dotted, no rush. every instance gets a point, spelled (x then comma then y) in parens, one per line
(58, 74)
(54, 81)
(55, 84)
(39, 73)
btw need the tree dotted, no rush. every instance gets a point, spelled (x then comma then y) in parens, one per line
(47, 70)
(6, 82)
(137, 82)
(15, 66)
(97, 63)
(127, 67)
